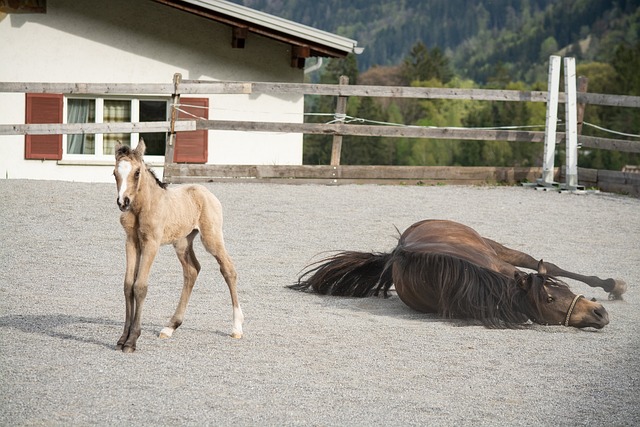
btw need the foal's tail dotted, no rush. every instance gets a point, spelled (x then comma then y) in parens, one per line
(349, 273)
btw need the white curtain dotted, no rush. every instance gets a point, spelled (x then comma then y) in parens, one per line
(80, 111)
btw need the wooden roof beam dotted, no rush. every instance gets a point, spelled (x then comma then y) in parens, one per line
(239, 37)
(299, 53)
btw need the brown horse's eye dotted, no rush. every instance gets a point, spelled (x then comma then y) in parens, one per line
(550, 299)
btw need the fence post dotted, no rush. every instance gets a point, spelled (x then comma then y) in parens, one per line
(583, 83)
(571, 113)
(553, 87)
(341, 109)
(170, 146)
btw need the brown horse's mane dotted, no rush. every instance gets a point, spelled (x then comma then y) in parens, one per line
(126, 151)
(467, 290)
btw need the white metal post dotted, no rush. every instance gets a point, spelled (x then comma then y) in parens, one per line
(571, 109)
(553, 87)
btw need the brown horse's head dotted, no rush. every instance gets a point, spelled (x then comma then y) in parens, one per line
(130, 173)
(555, 304)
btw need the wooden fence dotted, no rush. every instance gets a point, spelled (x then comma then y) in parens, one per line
(626, 182)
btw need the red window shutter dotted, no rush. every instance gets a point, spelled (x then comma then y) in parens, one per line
(43, 108)
(192, 146)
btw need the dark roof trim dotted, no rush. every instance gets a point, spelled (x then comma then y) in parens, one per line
(305, 40)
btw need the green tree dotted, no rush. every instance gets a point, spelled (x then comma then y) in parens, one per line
(319, 109)
(499, 114)
(619, 77)
(361, 150)
(337, 67)
(422, 64)
(548, 47)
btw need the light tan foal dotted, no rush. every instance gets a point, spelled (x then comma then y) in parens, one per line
(153, 215)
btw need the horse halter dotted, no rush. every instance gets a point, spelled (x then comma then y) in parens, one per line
(571, 307)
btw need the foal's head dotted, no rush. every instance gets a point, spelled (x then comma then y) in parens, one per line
(131, 173)
(553, 303)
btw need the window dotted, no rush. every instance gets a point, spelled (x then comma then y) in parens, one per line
(113, 110)
(191, 146)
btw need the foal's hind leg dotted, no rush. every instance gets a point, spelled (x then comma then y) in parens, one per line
(214, 243)
(190, 270)
(615, 287)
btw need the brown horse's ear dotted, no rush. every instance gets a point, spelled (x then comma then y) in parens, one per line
(542, 269)
(140, 148)
(523, 280)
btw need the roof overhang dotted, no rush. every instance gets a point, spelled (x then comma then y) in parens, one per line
(305, 41)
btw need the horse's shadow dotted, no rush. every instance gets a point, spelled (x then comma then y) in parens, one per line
(392, 306)
(57, 326)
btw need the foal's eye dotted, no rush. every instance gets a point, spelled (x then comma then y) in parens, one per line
(550, 298)
(137, 174)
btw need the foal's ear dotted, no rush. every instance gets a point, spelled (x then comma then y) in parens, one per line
(118, 147)
(140, 148)
(542, 269)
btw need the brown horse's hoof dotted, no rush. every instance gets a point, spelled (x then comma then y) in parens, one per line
(619, 289)
(127, 349)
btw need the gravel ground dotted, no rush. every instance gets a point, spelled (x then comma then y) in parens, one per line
(305, 359)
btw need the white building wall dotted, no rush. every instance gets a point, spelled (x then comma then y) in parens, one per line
(139, 41)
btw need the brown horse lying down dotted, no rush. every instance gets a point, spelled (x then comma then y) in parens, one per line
(154, 215)
(447, 268)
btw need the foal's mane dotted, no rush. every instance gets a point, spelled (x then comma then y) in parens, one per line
(467, 290)
(126, 151)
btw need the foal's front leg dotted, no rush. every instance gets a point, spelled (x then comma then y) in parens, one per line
(136, 292)
(132, 256)
(148, 251)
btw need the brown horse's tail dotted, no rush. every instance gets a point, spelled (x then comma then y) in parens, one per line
(349, 273)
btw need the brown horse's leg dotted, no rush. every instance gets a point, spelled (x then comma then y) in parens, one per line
(214, 243)
(190, 269)
(615, 287)
(132, 257)
(148, 252)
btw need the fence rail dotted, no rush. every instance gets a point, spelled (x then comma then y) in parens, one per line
(626, 182)
(200, 87)
(315, 128)
(305, 174)
(76, 128)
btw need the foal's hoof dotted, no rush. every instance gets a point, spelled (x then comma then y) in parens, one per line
(166, 333)
(236, 335)
(619, 289)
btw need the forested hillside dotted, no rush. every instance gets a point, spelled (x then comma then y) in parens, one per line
(474, 33)
(471, 43)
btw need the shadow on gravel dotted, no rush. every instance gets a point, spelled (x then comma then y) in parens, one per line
(60, 326)
(394, 307)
